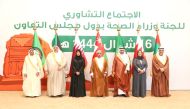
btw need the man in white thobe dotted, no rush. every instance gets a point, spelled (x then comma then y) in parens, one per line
(56, 68)
(32, 73)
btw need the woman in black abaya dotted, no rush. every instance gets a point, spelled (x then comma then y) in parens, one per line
(77, 87)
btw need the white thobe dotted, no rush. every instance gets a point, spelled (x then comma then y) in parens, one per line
(56, 81)
(32, 83)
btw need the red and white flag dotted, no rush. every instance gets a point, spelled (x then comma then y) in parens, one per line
(139, 46)
(99, 46)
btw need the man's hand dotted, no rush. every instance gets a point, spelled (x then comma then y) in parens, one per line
(151, 74)
(46, 72)
(125, 71)
(37, 74)
(162, 69)
(105, 74)
(92, 75)
(25, 75)
(67, 75)
(113, 74)
(59, 69)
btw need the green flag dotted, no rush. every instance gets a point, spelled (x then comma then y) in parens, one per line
(56, 41)
(36, 45)
(157, 44)
(119, 43)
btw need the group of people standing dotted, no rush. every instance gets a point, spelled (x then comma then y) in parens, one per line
(56, 69)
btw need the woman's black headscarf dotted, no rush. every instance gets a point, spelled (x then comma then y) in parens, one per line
(78, 57)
